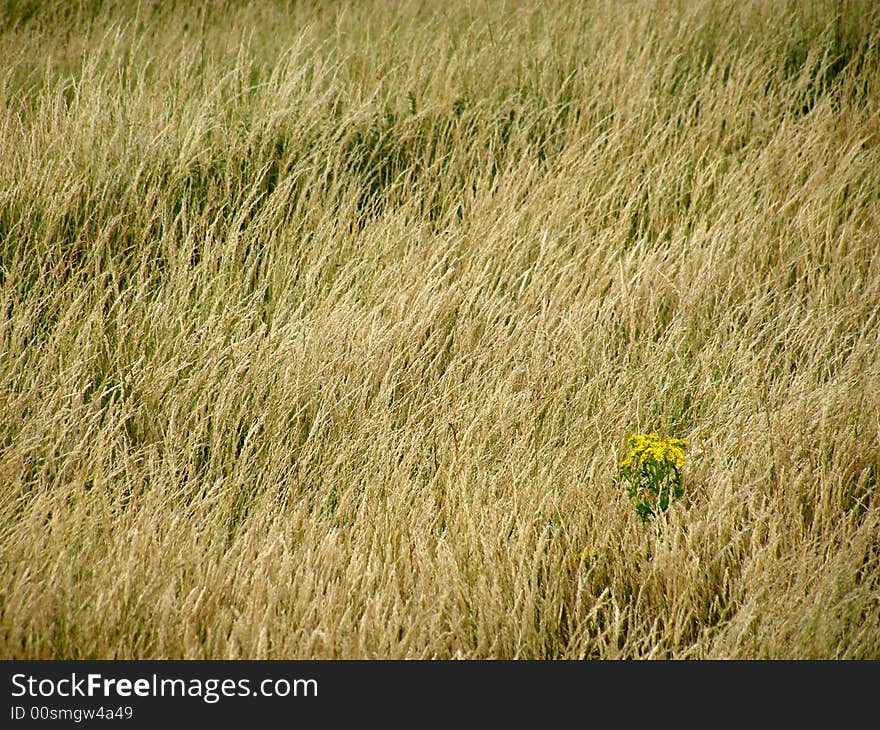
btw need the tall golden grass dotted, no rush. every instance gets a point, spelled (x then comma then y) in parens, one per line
(324, 326)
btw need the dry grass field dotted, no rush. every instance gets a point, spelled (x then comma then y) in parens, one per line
(323, 327)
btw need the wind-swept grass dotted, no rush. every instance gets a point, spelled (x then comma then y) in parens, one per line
(323, 328)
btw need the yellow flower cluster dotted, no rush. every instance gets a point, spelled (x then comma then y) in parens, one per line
(650, 448)
(652, 473)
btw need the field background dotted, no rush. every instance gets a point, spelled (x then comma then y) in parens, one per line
(323, 326)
